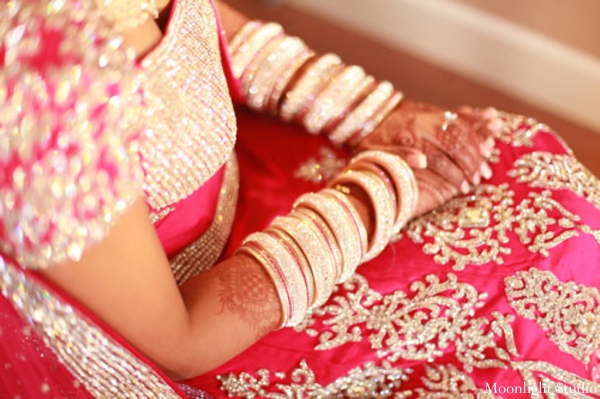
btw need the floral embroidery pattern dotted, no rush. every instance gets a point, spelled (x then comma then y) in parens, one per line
(519, 130)
(370, 380)
(476, 229)
(445, 381)
(557, 382)
(422, 326)
(557, 172)
(470, 230)
(323, 168)
(568, 312)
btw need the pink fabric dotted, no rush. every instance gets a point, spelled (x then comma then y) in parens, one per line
(191, 216)
(270, 152)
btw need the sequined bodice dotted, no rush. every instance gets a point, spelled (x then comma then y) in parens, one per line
(190, 119)
(79, 122)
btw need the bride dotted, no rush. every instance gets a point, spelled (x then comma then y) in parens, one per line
(194, 204)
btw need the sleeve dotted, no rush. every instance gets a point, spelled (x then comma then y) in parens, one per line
(69, 125)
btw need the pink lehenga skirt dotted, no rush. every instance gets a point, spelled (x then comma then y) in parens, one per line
(494, 293)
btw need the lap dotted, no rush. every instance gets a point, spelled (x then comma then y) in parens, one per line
(497, 286)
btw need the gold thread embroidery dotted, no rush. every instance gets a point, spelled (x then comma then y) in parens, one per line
(470, 230)
(418, 327)
(519, 130)
(563, 383)
(370, 380)
(105, 368)
(323, 168)
(474, 230)
(557, 172)
(568, 312)
(447, 381)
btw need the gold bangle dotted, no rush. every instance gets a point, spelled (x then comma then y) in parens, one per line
(364, 111)
(325, 231)
(336, 97)
(295, 251)
(315, 250)
(345, 229)
(376, 119)
(403, 178)
(250, 48)
(383, 205)
(270, 68)
(285, 272)
(308, 86)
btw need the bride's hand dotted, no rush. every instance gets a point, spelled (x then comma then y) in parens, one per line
(447, 149)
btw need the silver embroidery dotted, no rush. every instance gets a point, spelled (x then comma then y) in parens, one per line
(474, 230)
(422, 326)
(447, 381)
(68, 128)
(519, 130)
(323, 168)
(189, 114)
(568, 312)
(557, 172)
(105, 368)
(370, 380)
(561, 383)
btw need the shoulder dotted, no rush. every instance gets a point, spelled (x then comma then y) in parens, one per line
(68, 125)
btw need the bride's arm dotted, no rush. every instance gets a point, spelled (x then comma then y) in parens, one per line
(126, 280)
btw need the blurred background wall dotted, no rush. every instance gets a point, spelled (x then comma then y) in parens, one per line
(545, 52)
(575, 23)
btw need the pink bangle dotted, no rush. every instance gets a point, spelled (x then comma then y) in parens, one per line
(325, 231)
(315, 250)
(376, 119)
(383, 205)
(308, 86)
(335, 98)
(358, 117)
(349, 232)
(403, 179)
(246, 52)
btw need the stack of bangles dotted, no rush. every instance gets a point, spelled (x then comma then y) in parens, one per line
(282, 75)
(323, 239)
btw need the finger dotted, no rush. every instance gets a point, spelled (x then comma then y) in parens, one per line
(462, 147)
(442, 165)
(485, 171)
